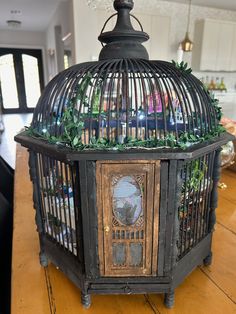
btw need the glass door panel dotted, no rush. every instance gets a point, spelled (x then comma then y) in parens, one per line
(32, 80)
(21, 79)
(8, 86)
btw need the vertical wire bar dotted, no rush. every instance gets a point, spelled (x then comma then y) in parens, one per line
(110, 102)
(205, 187)
(202, 204)
(117, 102)
(62, 98)
(143, 92)
(183, 88)
(48, 197)
(207, 196)
(193, 212)
(76, 207)
(183, 203)
(158, 79)
(41, 193)
(213, 156)
(59, 196)
(126, 92)
(197, 202)
(60, 170)
(106, 74)
(200, 199)
(160, 84)
(152, 92)
(135, 95)
(188, 176)
(53, 188)
(131, 99)
(69, 207)
(155, 94)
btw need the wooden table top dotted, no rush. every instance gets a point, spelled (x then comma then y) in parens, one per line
(35, 290)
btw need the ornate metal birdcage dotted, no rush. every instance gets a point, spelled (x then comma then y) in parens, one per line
(124, 160)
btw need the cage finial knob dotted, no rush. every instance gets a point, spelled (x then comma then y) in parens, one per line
(123, 41)
(123, 4)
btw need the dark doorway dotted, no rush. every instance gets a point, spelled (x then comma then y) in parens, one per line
(21, 79)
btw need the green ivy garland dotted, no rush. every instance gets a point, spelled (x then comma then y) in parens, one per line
(183, 66)
(72, 122)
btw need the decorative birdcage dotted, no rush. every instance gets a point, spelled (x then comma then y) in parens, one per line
(124, 160)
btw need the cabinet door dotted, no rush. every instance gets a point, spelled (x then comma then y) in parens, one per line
(160, 38)
(128, 209)
(225, 40)
(209, 45)
(233, 52)
(158, 28)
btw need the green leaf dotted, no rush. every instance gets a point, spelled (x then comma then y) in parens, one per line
(76, 141)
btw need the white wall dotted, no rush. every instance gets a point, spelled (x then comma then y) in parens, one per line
(62, 17)
(88, 23)
(18, 38)
(87, 27)
(24, 39)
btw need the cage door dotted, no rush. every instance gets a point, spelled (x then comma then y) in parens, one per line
(128, 200)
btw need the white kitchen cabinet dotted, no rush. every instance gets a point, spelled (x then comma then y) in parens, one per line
(158, 28)
(233, 52)
(213, 43)
(225, 40)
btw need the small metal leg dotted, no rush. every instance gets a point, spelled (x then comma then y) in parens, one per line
(85, 300)
(169, 299)
(208, 260)
(43, 259)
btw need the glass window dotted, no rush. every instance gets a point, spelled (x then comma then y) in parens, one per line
(31, 77)
(8, 82)
(127, 200)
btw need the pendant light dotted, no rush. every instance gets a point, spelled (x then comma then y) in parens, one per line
(187, 44)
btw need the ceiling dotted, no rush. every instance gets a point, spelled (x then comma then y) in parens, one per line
(220, 4)
(36, 14)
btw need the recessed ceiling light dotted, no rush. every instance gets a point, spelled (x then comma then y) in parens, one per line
(13, 23)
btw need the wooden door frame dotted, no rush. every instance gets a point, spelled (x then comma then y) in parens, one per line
(19, 74)
(151, 224)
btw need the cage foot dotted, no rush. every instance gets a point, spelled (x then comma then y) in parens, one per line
(43, 259)
(85, 300)
(208, 260)
(169, 299)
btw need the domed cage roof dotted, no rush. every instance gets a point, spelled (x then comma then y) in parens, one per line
(124, 99)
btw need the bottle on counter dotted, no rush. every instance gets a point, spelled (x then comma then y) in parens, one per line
(212, 84)
(222, 86)
(217, 83)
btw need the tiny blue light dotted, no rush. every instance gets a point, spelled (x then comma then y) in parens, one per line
(44, 130)
(141, 117)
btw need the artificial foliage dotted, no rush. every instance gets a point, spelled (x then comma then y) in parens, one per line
(183, 66)
(72, 122)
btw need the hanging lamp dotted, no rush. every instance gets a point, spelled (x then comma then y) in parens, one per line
(187, 44)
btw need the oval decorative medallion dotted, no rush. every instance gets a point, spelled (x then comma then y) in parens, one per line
(127, 200)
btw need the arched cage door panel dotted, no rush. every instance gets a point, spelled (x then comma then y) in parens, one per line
(128, 204)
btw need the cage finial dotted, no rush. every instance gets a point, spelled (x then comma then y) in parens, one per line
(123, 41)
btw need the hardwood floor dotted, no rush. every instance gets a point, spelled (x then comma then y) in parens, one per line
(208, 290)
